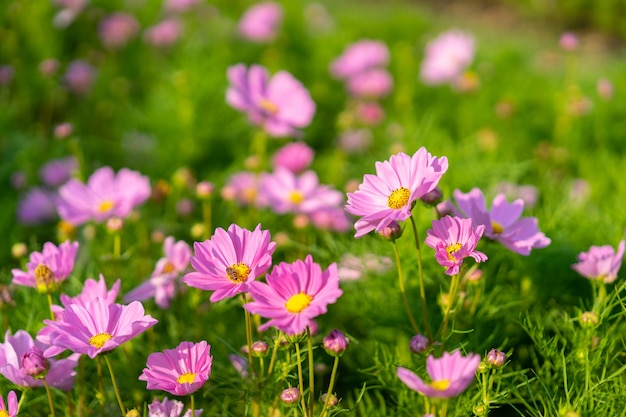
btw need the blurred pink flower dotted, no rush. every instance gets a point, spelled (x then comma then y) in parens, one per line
(450, 375)
(280, 105)
(105, 195)
(164, 33)
(528, 193)
(164, 281)
(389, 195)
(96, 326)
(287, 192)
(352, 267)
(63, 130)
(605, 88)
(568, 41)
(18, 350)
(10, 408)
(56, 172)
(369, 113)
(502, 222)
(294, 156)
(37, 206)
(169, 408)
(6, 74)
(331, 218)
(48, 66)
(79, 77)
(454, 239)
(243, 188)
(358, 58)
(294, 295)
(179, 371)
(48, 269)
(117, 29)
(600, 263)
(180, 6)
(353, 141)
(374, 83)
(447, 57)
(229, 261)
(261, 22)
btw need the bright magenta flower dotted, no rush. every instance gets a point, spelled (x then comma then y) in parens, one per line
(105, 195)
(450, 375)
(96, 327)
(280, 105)
(10, 409)
(389, 195)
(502, 222)
(601, 263)
(454, 239)
(164, 282)
(179, 371)
(230, 261)
(169, 408)
(294, 295)
(46, 270)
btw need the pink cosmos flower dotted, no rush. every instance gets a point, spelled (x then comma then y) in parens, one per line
(96, 327)
(294, 295)
(447, 57)
(180, 6)
(79, 77)
(105, 195)
(389, 195)
(56, 172)
(117, 29)
(164, 281)
(20, 350)
(295, 156)
(287, 192)
(10, 409)
(280, 105)
(179, 371)
(92, 289)
(169, 408)
(450, 375)
(46, 270)
(331, 218)
(374, 83)
(359, 57)
(502, 222)
(261, 22)
(454, 239)
(37, 206)
(164, 33)
(600, 263)
(229, 261)
(243, 188)
(352, 268)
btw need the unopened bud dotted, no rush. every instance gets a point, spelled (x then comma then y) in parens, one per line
(133, 413)
(391, 232)
(34, 363)
(433, 197)
(418, 344)
(332, 399)
(18, 250)
(495, 358)
(335, 343)
(589, 319)
(205, 189)
(115, 224)
(259, 348)
(290, 395)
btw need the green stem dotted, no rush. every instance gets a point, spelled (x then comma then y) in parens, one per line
(50, 305)
(402, 290)
(49, 394)
(206, 216)
(420, 272)
(486, 388)
(443, 330)
(22, 398)
(444, 408)
(193, 406)
(70, 405)
(331, 385)
(115, 388)
(100, 385)
(81, 386)
(301, 380)
(270, 368)
(249, 338)
(311, 372)
(117, 245)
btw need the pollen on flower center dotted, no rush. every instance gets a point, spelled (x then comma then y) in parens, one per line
(440, 385)
(168, 267)
(298, 302)
(105, 206)
(452, 249)
(99, 340)
(496, 227)
(3, 413)
(398, 198)
(44, 278)
(186, 378)
(268, 106)
(238, 273)
(296, 197)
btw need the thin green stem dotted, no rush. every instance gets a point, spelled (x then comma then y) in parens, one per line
(301, 380)
(117, 244)
(22, 398)
(402, 290)
(206, 216)
(249, 338)
(443, 330)
(70, 405)
(444, 408)
(486, 388)
(420, 273)
(193, 406)
(49, 394)
(50, 305)
(115, 388)
(311, 372)
(331, 385)
(270, 368)
(100, 385)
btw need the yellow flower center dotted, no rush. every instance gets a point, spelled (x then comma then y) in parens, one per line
(296, 197)
(168, 267)
(238, 273)
(452, 249)
(298, 302)
(99, 340)
(496, 227)
(105, 206)
(398, 198)
(3, 413)
(268, 106)
(186, 378)
(44, 279)
(440, 385)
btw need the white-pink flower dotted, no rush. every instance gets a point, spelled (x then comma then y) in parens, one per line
(447, 57)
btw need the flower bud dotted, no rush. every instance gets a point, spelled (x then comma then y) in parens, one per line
(336, 343)
(418, 344)
(589, 319)
(495, 358)
(432, 198)
(205, 189)
(133, 413)
(332, 401)
(115, 224)
(391, 232)
(259, 348)
(290, 395)
(34, 363)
